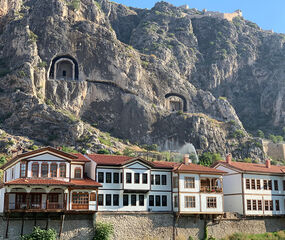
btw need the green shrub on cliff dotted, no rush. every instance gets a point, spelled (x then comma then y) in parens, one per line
(103, 231)
(40, 234)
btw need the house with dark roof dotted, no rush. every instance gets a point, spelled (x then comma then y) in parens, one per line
(253, 189)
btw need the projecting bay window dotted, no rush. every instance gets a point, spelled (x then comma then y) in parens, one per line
(125, 200)
(128, 178)
(35, 170)
(100, 177)
(116, 177)
(137, 178)
(141, 200)
(211, 202)
(53, 170)
(80, 201)
(62, 170)
(108, 177)
(151, 200)
(144, 178)
(276, 185)
(23, 170)
(190, 202)
(44, 170)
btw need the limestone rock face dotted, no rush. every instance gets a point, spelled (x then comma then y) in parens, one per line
(65, 64)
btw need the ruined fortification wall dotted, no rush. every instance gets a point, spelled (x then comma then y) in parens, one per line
(274, 150)
(151, 226)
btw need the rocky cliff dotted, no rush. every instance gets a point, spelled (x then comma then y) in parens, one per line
(158, 76)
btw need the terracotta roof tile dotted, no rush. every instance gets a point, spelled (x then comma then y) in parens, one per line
(80, 158)
(253, 167)
(102, 159)
(53, 182)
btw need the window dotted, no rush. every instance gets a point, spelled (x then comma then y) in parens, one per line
(53, 198)
(277, 206)
(108, 199)
(176, 201)
(80, 198)
(175, 182)
(252, 183)
(271, 205)
(116, 177)
(163, 180)
(128, 177)
(77, 173)
(151, 200)
(126, 200)
(152, 179)
(248, 204)
(189, 182)
(23, 170)
(137, 178)
(144, 178)
(93, 197)
(254, 206)
(100, 177)
(211, 202)
(133, 200)
(189, 202)
(157, 179)
(12, 173)
(62, 170)
(5, 176)
(247, 184)
(265, 185)
(283, 185)
(108, 177)
(141, 200)
(164, 200)
(258, 186)
(35, 170)
(259, 205)
(121, 176)
(266, 205)
(116, 200)
(157, 201)
(44, 170)
(53, 170)
(270, 184)
(276, 185)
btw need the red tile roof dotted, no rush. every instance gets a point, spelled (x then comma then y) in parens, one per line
(102, 159)
(53, 182)
(80, 158)
(253, 167)
(198, 169)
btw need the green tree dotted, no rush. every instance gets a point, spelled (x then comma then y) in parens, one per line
(279, 139)
(2, 160)
(103, 151)
(260, 134)
(103, 231)
(207, 159)
(272, 138)
(40, 234)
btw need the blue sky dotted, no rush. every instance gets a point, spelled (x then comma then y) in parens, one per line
(267, 14)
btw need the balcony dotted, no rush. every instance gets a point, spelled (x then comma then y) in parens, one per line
(211, 185)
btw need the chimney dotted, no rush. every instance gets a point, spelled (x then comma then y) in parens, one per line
(229, 158)
(187, 160)
(268, 163)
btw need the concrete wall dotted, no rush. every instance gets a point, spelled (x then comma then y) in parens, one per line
(135, 226)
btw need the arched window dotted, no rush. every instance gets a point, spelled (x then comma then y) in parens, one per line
(64, 68)
(53, 170)
(77, 173)
(35, 170)
(62, 170)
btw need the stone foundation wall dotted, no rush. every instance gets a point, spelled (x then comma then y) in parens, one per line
(151, 226)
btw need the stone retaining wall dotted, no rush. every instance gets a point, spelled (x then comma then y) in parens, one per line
(151, 226)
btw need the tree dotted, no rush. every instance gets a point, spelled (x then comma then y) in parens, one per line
(207, 159)
(279, 138)
(273, 138)
(40, 234)
(103, 151)
(2, 160)
(103, 231)
(260, 134)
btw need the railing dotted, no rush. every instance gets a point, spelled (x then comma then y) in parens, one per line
(210, 189)
(34, 206)
(55, 205)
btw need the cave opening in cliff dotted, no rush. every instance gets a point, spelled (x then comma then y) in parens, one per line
(64, 68)
(175, 102)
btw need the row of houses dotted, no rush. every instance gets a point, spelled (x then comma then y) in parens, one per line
(49, 180)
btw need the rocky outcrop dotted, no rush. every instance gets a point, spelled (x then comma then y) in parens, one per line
(127, 63)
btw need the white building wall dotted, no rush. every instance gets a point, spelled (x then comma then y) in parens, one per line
(111, 185)
(134, 186)
(161, 187)
(183, 208)
(219, 201)
(182, 188)
(232, 184)
(2, 194)
(73, 166)
(233, 203)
